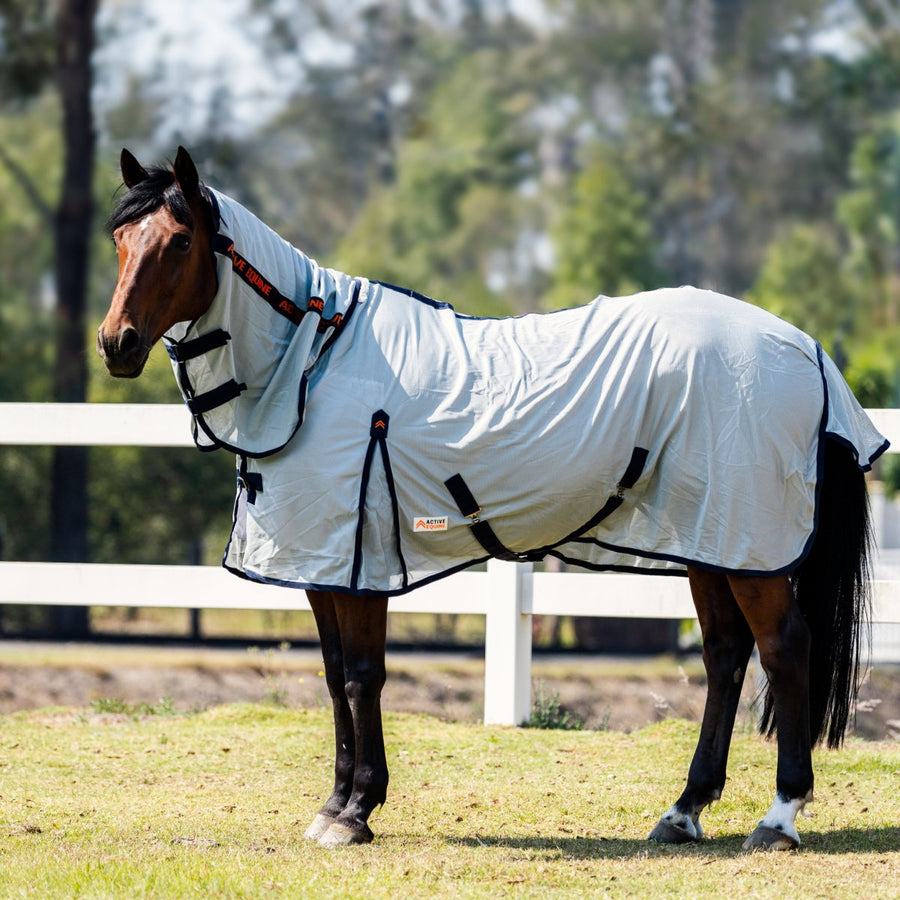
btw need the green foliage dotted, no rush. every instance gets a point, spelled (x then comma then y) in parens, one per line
(803, 280)
(26, 48)
(117, 706)
(447, 226)
(603, 238)
(874, 370)
(548, 713)
(869, 211)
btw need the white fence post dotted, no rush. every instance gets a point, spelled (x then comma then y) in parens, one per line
(507, 645)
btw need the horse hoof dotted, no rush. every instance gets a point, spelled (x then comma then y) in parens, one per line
(670, 833)
(320, 824)
(676, 827)
(765, 838)
(342, 836)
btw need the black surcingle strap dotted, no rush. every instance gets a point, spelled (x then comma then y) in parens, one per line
(481, 530)
(485, 535)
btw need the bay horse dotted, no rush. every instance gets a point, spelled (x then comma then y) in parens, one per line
(262, 341)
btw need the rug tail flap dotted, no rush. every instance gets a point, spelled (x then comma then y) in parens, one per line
(847, 420)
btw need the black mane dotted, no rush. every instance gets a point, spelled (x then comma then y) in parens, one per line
(158, 189)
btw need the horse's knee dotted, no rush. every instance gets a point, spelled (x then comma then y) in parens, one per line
(364, 683)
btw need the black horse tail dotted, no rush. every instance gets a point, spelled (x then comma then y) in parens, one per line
(832, 589)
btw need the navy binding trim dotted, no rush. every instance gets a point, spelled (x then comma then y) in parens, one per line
(354, 300)
(182, 352)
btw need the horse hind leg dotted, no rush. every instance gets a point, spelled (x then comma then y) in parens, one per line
(727, 644)
(783, 639)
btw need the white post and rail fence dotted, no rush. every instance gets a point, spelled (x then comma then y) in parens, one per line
(507, 594)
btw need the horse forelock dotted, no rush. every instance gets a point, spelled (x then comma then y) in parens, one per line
(157, 190)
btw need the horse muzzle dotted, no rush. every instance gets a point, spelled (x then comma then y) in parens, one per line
(124, 352)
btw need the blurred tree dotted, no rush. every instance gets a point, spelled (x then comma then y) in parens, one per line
(870, 212)
(604, 241)
(448, 226)
(361, 77)
(26, 326)
(28, 32)
(74, 33)
(804, 281)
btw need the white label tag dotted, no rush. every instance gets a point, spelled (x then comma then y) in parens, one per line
(430, 523)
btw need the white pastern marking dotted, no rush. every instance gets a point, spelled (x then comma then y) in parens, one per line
(781, 816)
(690, 824)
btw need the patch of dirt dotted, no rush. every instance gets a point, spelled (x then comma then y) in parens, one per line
(622, 698)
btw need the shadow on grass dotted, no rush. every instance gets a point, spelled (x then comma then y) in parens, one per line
(847, 841)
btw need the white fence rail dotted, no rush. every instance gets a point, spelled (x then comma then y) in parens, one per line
(508, 594)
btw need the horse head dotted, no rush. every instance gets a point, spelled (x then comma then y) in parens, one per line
(163, 229)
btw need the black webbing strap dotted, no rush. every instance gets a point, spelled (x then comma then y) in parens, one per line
(632, 473)
(635, 467)
(252, 482)
(203, 403)
(198, 346)
(460, 492)
(484, 534)
(481, 529)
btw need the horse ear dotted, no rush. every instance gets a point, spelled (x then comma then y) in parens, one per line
(132, 171)
(186, 173)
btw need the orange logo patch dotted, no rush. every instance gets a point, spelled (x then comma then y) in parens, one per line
(430, 523)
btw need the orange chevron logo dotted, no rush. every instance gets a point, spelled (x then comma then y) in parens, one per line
(430, 523)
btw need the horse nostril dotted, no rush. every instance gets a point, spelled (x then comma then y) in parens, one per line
(129, 341)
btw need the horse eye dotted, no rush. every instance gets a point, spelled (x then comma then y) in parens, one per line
(181, 242)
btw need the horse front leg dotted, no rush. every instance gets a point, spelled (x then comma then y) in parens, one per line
(783, 639)
(362, 625)
(323, 607)
(727, 644)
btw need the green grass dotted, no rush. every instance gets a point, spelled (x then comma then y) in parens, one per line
(168, 805)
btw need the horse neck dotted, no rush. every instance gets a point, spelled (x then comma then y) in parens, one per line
(264, 297)
(263, 254)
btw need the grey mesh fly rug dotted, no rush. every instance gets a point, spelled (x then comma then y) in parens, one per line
(385, 440)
